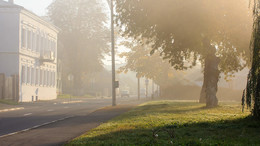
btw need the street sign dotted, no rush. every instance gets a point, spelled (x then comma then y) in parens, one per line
(116, 84)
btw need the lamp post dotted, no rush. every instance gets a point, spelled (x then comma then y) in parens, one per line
(111, 5)
(146, 84)
(138, 86)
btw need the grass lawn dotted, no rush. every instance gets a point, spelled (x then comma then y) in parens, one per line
(8, 102)
(67, 96)
(176, 123)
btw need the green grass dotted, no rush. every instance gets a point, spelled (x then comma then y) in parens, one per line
(191, 124)
(8, 102)
(67, 96)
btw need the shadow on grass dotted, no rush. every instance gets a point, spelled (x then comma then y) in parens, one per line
(173, 108)
(229, 132)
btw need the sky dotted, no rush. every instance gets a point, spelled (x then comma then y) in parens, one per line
(36, 6)
(39, 7)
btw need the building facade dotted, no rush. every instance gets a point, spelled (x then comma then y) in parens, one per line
(28, 48)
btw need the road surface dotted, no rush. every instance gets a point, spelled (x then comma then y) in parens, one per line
(28, 123)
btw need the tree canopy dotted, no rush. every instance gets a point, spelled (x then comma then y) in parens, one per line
(177, 28)
(145, 65)
(187, 31)
(83, 37)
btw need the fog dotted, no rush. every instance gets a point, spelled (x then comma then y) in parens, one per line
(170, 43)
(129, 72)
(177, 33)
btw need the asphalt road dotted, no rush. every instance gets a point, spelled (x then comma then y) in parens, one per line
(32, 119)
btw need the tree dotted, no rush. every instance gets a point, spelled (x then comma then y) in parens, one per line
(83, 36)
(188, 31)
(252, 91)
(145, 65)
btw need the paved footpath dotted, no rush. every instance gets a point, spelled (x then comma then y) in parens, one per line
(61, 132)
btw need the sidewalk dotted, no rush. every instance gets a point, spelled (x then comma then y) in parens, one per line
(4, 107)
(61, 132)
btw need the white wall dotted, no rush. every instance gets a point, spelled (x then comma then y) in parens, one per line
(9, 31)
(9, 42)
(13, 56)
(44, 93)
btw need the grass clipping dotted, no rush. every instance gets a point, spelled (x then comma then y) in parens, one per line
(176, 123)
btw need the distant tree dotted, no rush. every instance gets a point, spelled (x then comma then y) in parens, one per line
(83, 36)
(140, 60)
(215, 32)
(251, 95)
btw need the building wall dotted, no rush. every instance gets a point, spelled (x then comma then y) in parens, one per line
(9, 30)
(37, 80)
(37, 41)
(28, 48)
(9, 41)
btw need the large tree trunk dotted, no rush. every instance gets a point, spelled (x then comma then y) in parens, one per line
(203, 93)
(211, 78)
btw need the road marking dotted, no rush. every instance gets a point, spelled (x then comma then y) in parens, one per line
(50, 110)
(48, 123)
(68, 102)
(66, 107)
(27, 114)
(12, 109)
(35, 127)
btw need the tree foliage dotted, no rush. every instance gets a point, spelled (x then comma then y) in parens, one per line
(177, 28)
(140, 60)
(187, 31)
(251, 95)
(83, 36)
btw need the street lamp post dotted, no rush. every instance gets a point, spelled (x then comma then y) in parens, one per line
(110, 3)
(147, 84)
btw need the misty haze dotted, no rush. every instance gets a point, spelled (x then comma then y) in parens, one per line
(129, 72)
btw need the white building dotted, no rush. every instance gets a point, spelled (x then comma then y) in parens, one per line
(28, 48)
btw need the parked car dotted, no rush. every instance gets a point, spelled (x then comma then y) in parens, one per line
(125, 93)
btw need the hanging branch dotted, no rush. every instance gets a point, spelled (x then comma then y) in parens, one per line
(252, 93)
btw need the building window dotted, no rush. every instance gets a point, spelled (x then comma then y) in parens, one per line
(38, 44)
(29, 40)
(45, 78)
(23, 37)
(54, 79)
(50, 78)
(37, 77)
(41, 77)
(34, 42)
(23, 75)
(42, 45)
(28, 75)
(54, 48)
(32, 76)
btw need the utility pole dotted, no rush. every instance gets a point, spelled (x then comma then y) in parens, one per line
(147, 84)
(111, 5)
(153, 90)
(138, 90)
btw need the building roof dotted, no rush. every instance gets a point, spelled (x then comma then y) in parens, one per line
(9, 5)
(5, 4)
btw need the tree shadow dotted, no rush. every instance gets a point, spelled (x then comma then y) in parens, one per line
(225, 132)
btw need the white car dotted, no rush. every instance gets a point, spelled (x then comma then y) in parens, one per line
(125, 93)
